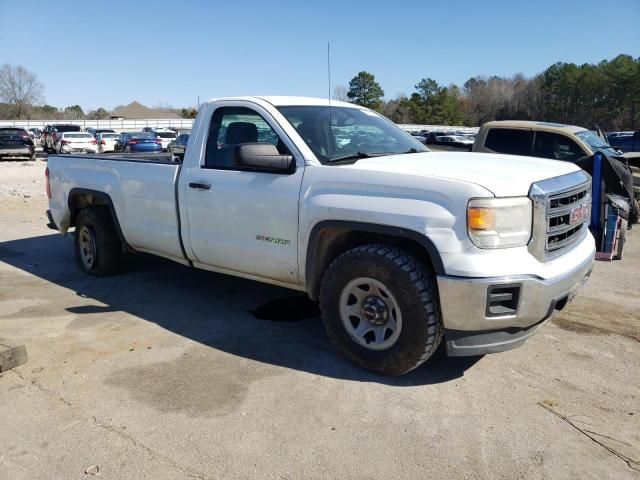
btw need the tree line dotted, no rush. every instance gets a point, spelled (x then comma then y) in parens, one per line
(606, 94)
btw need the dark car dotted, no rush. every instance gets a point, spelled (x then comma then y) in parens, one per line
(454, 141)
(177, 147)
(16, 142)
(54, 136)
(625, 141)
(132, 142)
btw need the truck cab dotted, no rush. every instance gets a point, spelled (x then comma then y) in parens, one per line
(541, 139)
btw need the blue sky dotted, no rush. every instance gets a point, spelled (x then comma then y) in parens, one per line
(112, 52)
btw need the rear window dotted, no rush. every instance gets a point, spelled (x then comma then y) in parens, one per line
(77, 135)
(67, 128)
(109, 135)
(13, 131)
(141, 135)
(509, 140)
(166, 134)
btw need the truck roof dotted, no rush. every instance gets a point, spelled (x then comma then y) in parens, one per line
(281, 101)
(534, 125)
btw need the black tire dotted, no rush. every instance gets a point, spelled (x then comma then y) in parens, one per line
(33, 157)
(414, 288)
(97, 223)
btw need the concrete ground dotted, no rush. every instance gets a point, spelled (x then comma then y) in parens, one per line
(165, 373)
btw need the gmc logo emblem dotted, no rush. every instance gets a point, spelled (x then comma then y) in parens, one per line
(578, 214)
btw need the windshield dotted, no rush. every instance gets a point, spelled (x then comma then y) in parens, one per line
(353, 131)
(593, 140)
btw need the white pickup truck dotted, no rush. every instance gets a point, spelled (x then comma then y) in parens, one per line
(400, 245)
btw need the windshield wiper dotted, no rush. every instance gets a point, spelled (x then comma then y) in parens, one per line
(356, 156)
(361, 155)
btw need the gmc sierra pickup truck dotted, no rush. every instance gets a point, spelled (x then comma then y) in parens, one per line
(401, 246)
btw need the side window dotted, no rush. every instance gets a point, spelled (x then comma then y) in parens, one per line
(232, 126)
(556, 146)
(509, 140)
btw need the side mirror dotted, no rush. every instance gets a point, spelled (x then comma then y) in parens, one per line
(262, 156)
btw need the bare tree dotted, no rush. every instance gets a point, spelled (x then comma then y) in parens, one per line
(19, 88)
(340, 93)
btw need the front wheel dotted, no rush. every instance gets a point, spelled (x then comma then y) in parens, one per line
(380, 308)
(97, 245)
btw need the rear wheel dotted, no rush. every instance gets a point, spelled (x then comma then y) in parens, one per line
(380, 309)
(98, 247)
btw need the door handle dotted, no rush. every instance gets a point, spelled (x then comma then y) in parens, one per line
(200, 185)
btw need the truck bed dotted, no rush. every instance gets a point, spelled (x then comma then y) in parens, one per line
(141, 188)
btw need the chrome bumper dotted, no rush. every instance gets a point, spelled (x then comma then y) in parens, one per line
(471, 329)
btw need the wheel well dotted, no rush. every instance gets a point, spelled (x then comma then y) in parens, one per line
(81, 198)
(328, 243)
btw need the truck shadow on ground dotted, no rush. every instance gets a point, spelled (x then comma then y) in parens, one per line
(245, 318)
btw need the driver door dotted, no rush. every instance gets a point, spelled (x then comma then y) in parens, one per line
(240, 220)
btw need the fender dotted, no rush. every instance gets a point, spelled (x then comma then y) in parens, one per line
(314, 260)
(74, 192)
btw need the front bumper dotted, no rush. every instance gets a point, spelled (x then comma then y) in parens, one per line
(470, 327)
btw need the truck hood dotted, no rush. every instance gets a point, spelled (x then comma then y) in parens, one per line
(503, 175)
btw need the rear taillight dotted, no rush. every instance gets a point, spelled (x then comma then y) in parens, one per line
(65, 142)
(93, 142)
(47, 185)
(102, 142)
(133, 142)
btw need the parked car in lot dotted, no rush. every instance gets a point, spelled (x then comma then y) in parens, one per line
(165, 135)
(551, 140)
(16, 142)
(177, 147)
(55, 132)
(76, 142)
(540, 139)
(107, 141)
(401, 246)
(454, 141)
(130, 142)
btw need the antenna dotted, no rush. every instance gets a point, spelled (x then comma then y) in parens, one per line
(329, 80)
(329, 69)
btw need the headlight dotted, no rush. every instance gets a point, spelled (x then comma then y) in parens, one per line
(499, 222)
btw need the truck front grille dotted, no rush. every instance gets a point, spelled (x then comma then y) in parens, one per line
(561, 212)
(567, 216)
